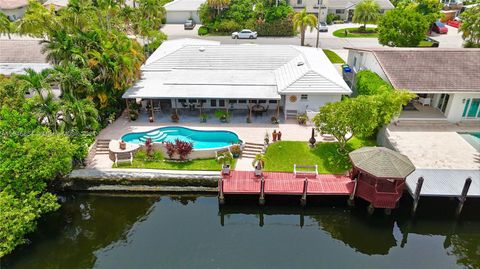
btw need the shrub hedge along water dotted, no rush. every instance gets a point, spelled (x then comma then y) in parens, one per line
(369, 83)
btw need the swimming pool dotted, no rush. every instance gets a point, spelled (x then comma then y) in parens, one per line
(201, 139)
(473, 139)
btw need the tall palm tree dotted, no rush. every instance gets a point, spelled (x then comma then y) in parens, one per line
(301, 21)
(73, 81)
(61, 48)
(37, 82)
(80, 115)
(218, 5)
(46, 108)
(367, 11)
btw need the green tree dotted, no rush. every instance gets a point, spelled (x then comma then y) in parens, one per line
(301, 21)
(218, 5)
(402, 28)
(6, 26)
(38, 20)
(470, 27)
(347, 118)
(367, 11)
(19, 215)
(39, 82)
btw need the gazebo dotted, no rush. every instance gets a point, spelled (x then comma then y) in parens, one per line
(379, 175)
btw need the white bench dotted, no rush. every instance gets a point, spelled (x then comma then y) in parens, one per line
(123, 157)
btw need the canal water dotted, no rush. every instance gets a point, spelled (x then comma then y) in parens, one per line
(190, 231)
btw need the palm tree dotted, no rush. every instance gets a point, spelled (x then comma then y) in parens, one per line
(301, 21)
(38, 82)
(80, 115)
(46, 108)
(367, 11)
(218, 5)
(6, 26)
(73, 81)
(61, 48)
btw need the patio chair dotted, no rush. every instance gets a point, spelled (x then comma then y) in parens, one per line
(123, 157)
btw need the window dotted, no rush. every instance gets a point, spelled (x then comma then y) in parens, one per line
(355, 61)
(262, 101)
(232, 101)
(272, 101)
(182, 100)
(472, 108)
(192, 100)
(221, 103)
(299, 2)
(339, 11)
(242, 101)
(213, 102)
(304, 97)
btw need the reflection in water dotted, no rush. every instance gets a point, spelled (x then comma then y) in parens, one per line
(182, 231)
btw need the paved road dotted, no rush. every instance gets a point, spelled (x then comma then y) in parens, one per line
(326, 40)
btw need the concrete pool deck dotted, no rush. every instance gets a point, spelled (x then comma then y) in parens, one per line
(252, 133)
(436, 147)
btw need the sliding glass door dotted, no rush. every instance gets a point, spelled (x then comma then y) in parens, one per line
(472, 108)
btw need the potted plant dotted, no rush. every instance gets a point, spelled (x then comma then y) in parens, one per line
(236, 150)
(203, 117)
(266, 139)
(302, 118)
(274, 120)
(222, 115)
(312, 140)
(259, 163)
(225, 159)
(133, 115)
(249, 120)
(174, 117)
(274, 136)
(122, 145)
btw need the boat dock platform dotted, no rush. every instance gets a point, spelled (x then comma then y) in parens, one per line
(279, 183)
(451, 183)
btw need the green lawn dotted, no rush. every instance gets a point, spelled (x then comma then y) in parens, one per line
(333, 57)
(160, 163)
(281, 156)
(352, 32)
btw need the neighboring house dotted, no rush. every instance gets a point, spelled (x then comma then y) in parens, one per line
(446, 80)
(211, 75)
(57, 4)
(178, 11)
(14, 9)
(17, 55)
(342, 8)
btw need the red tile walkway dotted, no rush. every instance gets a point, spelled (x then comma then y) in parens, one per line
(245, 182)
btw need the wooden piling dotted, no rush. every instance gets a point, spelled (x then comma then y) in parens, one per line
(261, 200)
(416, 195)
(463, 195)
(351, 199)
(221, 197)
(303, 200)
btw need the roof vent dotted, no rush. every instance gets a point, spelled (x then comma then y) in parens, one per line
(300, 63)
(201, 49)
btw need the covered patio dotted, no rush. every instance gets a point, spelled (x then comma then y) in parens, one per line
(240, 103)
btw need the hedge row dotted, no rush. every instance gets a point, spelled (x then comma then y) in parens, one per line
(282, 27)
(369, 83)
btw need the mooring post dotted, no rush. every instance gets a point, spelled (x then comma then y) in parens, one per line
(303, 200)
(416, 195)
(463, 196)
(221, 198)
(351, 199)
(261, 200)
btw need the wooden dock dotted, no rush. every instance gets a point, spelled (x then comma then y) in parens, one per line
(278, 183)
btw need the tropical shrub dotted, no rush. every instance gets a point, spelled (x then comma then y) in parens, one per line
(183, 148)
(170, 147)
(282, 27)
(202, 30)
(369, 83)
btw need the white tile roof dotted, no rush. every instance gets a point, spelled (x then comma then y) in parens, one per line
(207, 69)
(184, 5)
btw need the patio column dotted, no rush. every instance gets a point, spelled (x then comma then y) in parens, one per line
(176, 105)
(226, 105)
(278, 109)
(151, 108)
(128, 109)
(249, 109)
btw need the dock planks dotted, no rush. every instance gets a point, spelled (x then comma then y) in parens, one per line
(277, 183)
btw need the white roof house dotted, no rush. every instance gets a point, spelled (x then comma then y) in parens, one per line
(178, 11)
(296, 78)
(18, 55)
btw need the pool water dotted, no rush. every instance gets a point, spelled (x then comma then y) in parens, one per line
(199, 138)
(473, 139)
